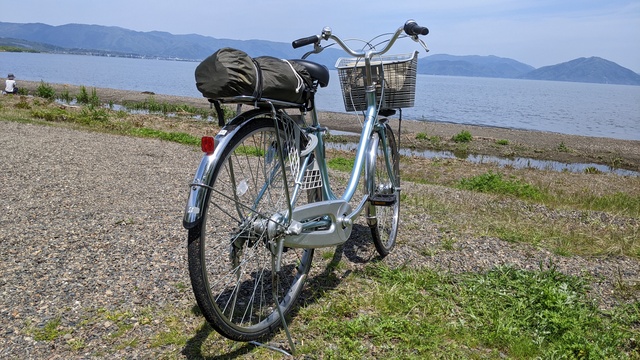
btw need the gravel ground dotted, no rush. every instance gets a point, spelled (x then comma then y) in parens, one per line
(92, 222)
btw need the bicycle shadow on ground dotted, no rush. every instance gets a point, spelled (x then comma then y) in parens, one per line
(358, 249)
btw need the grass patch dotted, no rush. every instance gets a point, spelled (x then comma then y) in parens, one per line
(341, 164)
(491, 182)
(411, 314)
(50, 331)
(249, 150)
(178, 137)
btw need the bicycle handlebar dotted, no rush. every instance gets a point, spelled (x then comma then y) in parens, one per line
(306, 41)
(411, 28)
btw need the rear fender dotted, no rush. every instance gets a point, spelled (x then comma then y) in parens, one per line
(201, 184)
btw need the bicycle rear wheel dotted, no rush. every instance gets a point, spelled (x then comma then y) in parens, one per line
(230, 253)
(383, 210)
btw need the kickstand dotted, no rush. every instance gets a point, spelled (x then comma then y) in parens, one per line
(275, 271)
(274, 279)
(273, 348)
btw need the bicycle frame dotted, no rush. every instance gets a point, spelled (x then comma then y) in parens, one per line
(302, 229)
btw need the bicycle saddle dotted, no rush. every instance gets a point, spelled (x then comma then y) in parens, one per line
(317, 71)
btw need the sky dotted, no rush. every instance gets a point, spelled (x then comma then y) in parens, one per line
(536, 32)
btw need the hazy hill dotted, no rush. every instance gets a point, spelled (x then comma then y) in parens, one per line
(473, 65)
(150, 44)
(590, 70)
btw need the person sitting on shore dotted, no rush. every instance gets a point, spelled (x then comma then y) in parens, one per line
(10, 87)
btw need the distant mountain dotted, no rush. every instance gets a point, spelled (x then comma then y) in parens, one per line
(589, 70)
(111, 40)
(150, 44)
(473, 65)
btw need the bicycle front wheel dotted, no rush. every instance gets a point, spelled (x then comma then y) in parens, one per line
(383, 210)
(231, 252)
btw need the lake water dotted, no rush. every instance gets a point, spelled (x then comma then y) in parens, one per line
(571, 108)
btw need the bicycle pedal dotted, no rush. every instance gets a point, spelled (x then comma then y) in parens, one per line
(383, 199)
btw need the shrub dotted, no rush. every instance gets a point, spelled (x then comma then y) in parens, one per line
(83, 96)
(464, 136)
(46, 91)
(65, 96)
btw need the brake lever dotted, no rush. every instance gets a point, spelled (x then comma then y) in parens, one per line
(420, 41)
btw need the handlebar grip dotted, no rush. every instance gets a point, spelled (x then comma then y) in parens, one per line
(412, 28)
(305, 41)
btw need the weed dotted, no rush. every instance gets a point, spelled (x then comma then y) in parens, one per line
(462, 137)
(94, 99)
(562, 147)
(83, 96)
(592, 170)
(502, 142)
(65, 96)
(46, 91)
(421, 136)
(49, 332)
(23, 104)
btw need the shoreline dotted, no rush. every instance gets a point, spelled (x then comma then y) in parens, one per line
(432, 135)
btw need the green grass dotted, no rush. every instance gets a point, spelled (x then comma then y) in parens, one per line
(416, 314)
(49, 331)
(249, 150)
(341, 164)
(179, 137)
(495, 183)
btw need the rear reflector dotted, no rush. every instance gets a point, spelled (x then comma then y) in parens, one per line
(207, 144)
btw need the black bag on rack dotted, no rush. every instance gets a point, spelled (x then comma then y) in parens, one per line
(230, 72)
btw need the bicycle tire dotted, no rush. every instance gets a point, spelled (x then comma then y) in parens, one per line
(383, 211)
(228, 253)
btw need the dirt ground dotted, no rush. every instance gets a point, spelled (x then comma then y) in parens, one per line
(493, 141)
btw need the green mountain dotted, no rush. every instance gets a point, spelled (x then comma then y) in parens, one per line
(589, 70)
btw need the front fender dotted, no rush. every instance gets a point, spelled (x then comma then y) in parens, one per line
(201, 184)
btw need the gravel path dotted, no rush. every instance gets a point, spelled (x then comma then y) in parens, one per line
(88, 221)
(91, 221)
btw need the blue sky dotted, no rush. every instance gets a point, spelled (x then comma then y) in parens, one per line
(536, 32)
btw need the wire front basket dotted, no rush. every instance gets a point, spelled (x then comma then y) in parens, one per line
(398, 72)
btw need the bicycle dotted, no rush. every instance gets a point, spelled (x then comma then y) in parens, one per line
(261, 202)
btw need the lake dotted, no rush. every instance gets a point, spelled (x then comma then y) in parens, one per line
(571, 108)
